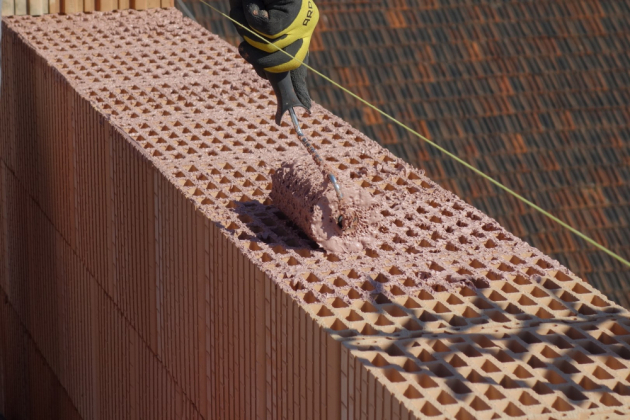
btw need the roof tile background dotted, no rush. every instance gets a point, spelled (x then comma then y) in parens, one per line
(534, 93)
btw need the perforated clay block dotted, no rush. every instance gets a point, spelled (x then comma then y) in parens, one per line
(150, 269)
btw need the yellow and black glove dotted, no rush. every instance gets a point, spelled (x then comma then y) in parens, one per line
(289, 24)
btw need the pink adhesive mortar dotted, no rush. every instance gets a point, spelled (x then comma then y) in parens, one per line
(308, 198)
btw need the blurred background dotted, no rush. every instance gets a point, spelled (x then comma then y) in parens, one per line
(535, 93)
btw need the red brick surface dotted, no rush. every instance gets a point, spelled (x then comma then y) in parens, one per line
(146, 270)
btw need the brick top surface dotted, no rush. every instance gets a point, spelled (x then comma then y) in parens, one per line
(535, 94)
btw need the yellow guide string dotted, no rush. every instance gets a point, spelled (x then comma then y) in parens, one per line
(440, 148)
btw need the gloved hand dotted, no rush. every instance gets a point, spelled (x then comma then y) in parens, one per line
(287, 23)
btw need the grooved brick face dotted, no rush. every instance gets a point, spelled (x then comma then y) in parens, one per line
(448, 312)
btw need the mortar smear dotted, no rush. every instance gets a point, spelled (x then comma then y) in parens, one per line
(307, 197)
